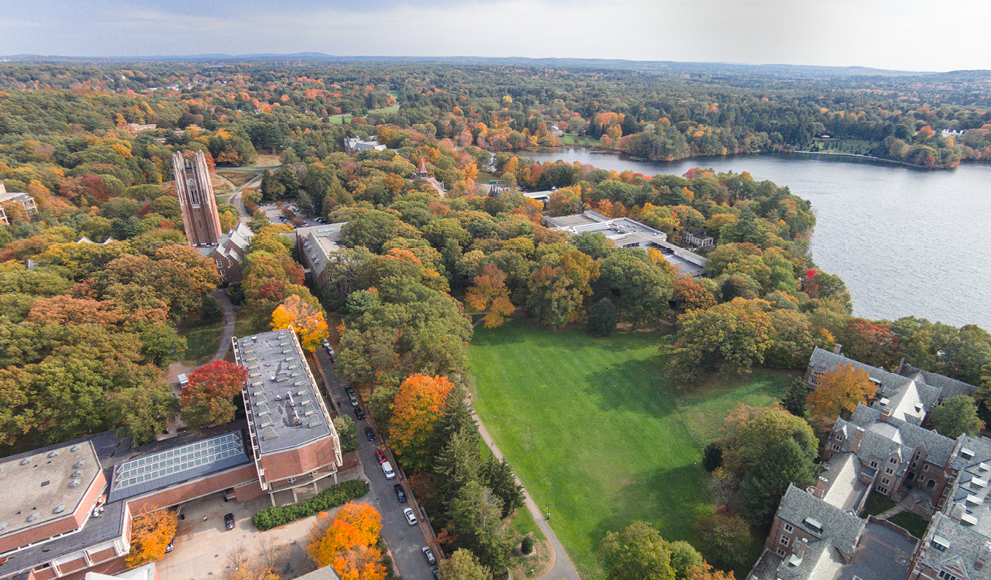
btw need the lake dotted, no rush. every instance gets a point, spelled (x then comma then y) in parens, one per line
(907, 242)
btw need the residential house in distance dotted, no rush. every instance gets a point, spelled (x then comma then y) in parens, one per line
(698, 238)
(353, 145)
(15, 197)
(201, 220)
(423, 175)
(627, 233)
(135, 128)
(71, 514)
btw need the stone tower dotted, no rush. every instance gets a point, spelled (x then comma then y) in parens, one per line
(199, 208)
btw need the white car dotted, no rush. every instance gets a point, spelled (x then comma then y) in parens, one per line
(389, 473)
(354, 401)
(410, 516)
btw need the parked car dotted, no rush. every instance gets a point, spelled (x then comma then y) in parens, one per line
(429, 555)
(410, 516)
(369, 434)
(380, 455)
(359, 413)
(436, 573)
(354, 401)
(170, 546)
(349, 390)
(388, 471)
(229, 521)
(400, 492)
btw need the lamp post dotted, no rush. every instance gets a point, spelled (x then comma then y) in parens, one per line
(547, 512)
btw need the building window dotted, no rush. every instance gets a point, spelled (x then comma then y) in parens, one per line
(914, 464)
(836, 447)
(885, 481)
(947, 576)
(785, 539)
(889, 471)
(788, 528)
(883, 490)
(873, 464)
(892, 460)
(781, 552)
(925, 467)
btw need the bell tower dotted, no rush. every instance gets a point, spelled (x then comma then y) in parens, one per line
(199, 208)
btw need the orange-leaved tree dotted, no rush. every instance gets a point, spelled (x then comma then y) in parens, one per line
(417, 409)
(347, 541)
(840, 389)
(150, 534)
(207, 398)
(305, 318)
(490, 292)
(707, 572)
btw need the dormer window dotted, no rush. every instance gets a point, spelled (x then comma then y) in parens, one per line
(940, 544)
(813, 525)
(966, 453)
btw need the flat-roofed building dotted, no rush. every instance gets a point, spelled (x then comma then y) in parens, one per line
(627, 233)
(293, 439)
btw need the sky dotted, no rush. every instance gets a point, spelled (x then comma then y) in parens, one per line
(913, 35)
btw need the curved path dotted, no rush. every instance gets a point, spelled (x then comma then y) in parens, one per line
(225, 338)
(563, 568)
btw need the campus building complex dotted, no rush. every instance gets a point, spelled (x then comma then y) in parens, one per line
(74, 503)
(885, 448)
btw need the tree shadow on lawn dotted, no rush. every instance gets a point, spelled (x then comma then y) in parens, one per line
(633, 385)
(668, 499)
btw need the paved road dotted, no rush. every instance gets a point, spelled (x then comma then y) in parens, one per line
(235, 196)
(563, 567)
(225, 338)
(404, 540)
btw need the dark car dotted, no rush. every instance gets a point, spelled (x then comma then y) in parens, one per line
(429, 555)
(400, 493)
(349, 390)
(369, 433)
(359, 413)
(436, 573)
(229, 521)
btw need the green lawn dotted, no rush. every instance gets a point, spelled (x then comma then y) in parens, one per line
(877, 504)
(201, 342)
(596, 431)
(913, 523)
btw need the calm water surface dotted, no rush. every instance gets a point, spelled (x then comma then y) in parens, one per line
(906, 242)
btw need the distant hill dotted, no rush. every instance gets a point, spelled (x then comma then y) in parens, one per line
(669, 67)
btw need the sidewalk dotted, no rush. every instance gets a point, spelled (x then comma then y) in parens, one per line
(563, 568)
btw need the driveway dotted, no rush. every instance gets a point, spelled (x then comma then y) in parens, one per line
(403, 539)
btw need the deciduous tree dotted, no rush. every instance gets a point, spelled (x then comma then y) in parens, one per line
(150, 534)
(840, 389)
(463, 565)
(207, 398)
(307, 320)
(417, 410)
(347, 541)
(956, 416)
(490, 293)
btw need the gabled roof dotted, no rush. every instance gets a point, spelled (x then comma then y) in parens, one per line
(962, 546)
(882, 438)
(948, 387)
(802, 509)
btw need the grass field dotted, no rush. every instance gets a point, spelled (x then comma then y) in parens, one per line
(596, 432)
(201, 342)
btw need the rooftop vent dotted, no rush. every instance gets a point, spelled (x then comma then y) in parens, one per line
(74, 483)
(979, 483)
(33, 517)
(984, 467)
(968, 520)
(25, 461)
(74, 448)
(76, 474)
(79, 464)
(46, 482)
(885, 401)
(59, 508)
(3, 526)
(52, 454)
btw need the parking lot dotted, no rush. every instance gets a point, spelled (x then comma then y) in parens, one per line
(275, 216)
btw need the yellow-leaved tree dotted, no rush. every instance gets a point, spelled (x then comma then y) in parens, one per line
(347, 541)
(842, 388)
(305, 318)
(150, 534)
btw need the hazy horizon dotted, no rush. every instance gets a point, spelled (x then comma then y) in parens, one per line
(883, 34)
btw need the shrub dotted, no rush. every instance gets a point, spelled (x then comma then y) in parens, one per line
(527, 546)
(331, 497)
(712, 457)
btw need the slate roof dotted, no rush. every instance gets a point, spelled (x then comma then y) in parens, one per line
(970, 497)
(881, 438)
(949, 387)
(844, 490)
(840, 528)
(965, 545)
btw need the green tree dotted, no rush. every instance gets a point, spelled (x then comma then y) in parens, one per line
(463, 565)
(558, 287)
(769, 478)
(347, 432)
(500, 478)
(724, 539)
(476, 514)
(638, 289)
(637, 553)
(956, 416)
(602, 318)
(795, 397)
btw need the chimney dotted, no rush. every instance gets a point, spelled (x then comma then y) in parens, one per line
(885, 414)
(957, 512)
(983, 556)
(800, 548)
(837, 348)
(858, 436)
(819, 490)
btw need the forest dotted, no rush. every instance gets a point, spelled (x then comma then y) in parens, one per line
(87, 329)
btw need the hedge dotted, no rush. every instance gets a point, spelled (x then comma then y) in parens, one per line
(331, 497)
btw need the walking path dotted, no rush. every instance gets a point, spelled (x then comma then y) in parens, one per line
(228, 334)
(563, 568)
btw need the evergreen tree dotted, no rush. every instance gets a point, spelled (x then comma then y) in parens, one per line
(602, 318)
